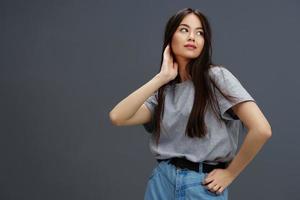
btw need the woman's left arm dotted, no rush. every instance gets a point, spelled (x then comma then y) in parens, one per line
(259, 131)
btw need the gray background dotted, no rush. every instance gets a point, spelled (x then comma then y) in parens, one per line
(66, 64)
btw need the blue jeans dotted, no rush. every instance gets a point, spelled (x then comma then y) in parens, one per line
(167, 182)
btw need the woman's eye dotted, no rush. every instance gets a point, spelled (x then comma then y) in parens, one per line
(183, 29)
(201, 33)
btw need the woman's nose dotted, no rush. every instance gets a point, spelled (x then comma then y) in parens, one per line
(192, 36)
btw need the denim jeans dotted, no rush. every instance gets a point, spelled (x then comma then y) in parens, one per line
(167, 182)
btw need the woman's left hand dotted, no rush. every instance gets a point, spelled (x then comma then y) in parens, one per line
(217, 180)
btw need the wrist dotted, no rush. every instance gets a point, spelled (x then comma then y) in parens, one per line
(161, 79)
(232, 171)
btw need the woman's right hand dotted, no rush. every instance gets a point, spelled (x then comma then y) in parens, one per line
(169, 68)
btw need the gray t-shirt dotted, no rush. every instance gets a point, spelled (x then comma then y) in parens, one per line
(221, 142)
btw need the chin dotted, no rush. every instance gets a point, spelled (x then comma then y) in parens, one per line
(191, 56)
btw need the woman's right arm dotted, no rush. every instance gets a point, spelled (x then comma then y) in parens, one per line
(131, 110)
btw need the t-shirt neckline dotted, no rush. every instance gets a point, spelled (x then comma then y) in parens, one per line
(183, 82)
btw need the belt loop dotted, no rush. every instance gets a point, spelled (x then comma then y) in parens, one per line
(200, 167)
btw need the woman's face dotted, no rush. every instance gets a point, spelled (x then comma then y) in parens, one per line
(188, 32)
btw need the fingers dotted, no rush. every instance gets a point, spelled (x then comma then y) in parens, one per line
(211, 184)
(220, 190)
(167, 54)
(207, 181)
(217, 189)
(166, 51)
(213, 187)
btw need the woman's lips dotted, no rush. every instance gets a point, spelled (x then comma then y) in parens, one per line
(190, 47)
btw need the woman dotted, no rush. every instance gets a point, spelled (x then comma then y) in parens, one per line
(194, 111)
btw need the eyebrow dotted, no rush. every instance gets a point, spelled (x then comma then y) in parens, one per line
(189, 26)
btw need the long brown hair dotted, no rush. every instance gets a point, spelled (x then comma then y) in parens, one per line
(198, 69)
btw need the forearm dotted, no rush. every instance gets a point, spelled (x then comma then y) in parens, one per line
(252, 144)
(128, 106)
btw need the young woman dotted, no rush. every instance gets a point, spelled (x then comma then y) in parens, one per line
(194, 111)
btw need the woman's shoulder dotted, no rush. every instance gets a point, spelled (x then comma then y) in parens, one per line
(216, 70)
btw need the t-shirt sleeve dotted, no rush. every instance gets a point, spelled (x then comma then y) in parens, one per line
(151, 103)
(229, 84)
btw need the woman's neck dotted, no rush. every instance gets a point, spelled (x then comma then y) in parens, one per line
(182, 64)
